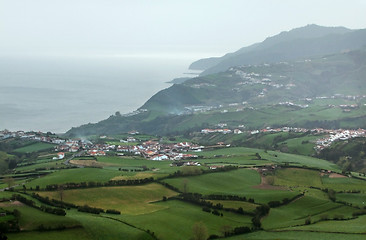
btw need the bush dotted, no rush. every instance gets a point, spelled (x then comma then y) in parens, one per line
(112, 211)
(88, 209)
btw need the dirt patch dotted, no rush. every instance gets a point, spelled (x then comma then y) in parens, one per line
(134, 177)
(336, 175)
(264, 185)
(11, 204)
(86, 163)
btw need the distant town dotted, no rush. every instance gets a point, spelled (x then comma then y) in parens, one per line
(154, 150)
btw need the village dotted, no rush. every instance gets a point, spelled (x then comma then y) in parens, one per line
(329, 135)
(157, 151)
(152, 150)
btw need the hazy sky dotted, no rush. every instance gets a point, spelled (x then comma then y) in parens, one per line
(124, 27)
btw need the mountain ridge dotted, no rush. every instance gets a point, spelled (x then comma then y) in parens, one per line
(259, 95)
(269, 49)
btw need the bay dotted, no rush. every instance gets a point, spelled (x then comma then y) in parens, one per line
(56, 93)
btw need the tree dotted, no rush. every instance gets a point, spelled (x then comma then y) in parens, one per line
(200, 231)
(226, 230)
(185, 186)
(9, 181)
(61, 192)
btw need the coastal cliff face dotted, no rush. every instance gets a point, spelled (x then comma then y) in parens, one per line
(258, 93)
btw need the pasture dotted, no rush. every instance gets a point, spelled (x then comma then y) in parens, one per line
(67, 234)
(298, 235)
(100, 227)
(31, 218)
(131, 200)
(356, 199)
(298, 211)
(353, 226)
(137, 163)
(297, 177)
(344, 184)
(35, 147)
(237, 182)
(247, 206)
(244, 155)
(76, 175)
(176, 219)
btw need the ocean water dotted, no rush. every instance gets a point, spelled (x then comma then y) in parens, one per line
(57, 93)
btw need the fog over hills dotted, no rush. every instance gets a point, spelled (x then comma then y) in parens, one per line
(308, 41)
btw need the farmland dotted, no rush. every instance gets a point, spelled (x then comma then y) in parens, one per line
(233, 192)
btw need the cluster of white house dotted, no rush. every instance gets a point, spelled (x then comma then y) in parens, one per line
(154, 150)
(336, 135)
(37, 136)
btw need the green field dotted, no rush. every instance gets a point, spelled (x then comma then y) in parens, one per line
(143, 209)
(241, 155)
(356, 199)
(31, 218)
(222, 183)
(247, 206)
(99, 227)
(75, 175)
(302, 145)
(298, 211)
(357, 225)
(158, 167)
(129, 200)
(298, 235)
(176, 219)
(67, 234)
(42, 164)
(344, 184)
(297, 177)
(35, 147)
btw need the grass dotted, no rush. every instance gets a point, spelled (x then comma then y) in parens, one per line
(232, 151)
(42, 164)
(128, 199)
(35, 147)
(75, 175)
(344, 184)
(176, 219)
(123, 143)
(67, 234)
(298, 160)
(356, 199)
(138, 162)
(302, 145)
(139, 175)
(298, 211)
(298, 235)
(221, 182)
(236, 204)
(295, 177)
(101, 228)
(31, 218)
(269, 156)
(349, 226)
(237, 182)
(235, 160)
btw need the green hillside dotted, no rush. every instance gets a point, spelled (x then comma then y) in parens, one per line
(300, 43)
(308, 93)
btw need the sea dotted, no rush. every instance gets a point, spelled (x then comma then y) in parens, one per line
(53, 93)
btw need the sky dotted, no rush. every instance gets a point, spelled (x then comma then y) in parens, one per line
(143, 27)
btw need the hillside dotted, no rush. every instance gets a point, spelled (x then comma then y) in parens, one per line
(307, 93)
(305, 42)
